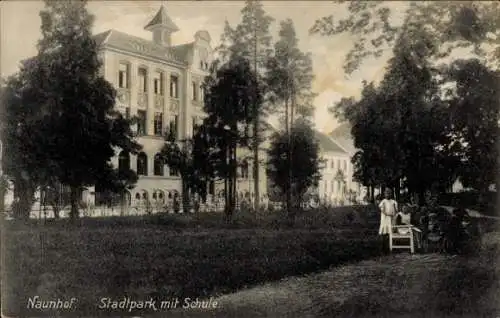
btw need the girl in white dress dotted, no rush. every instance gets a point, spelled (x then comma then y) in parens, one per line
(388, 209)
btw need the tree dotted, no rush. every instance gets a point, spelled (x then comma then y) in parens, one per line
(289, 75)
(189, 157)
(231, 91)
(447, 25)
(72, 127)
(251, 40)
(400, 127)
(24, 160)
(475, 112)
(302, 160)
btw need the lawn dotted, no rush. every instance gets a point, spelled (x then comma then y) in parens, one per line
(172, 256)
(398, 285)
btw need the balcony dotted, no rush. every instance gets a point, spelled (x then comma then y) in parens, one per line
(123, 97)
(159, 101)
(142, 100)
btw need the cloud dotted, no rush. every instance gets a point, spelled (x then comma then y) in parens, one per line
(325, 122)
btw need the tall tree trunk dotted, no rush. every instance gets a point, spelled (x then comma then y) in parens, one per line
(185, 195)
(256, 131)
(230, 197)
(74, 214)
(56, 208)
(256, 164)
(289, 193)
(287, 127)
(234, 171)
(226, 197)
(292, 102)
(397, 189)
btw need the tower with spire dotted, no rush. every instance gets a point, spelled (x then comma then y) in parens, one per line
(162, 27)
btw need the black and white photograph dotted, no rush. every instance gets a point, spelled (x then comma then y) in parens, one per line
(249, 158)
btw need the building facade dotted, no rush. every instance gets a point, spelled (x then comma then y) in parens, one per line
(336, 173)
(161, 84)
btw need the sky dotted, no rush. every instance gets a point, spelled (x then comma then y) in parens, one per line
(20, 31)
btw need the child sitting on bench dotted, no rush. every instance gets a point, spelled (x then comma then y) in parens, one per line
(404, 218)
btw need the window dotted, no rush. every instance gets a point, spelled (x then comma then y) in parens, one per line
(158, 165)
(141, 122)
(158, 124)
(195, 91)
(173, 124)
(142, 164)
(123, 75)
(345, 165)
(158, 83)
(143, 80)
(331, 185)
(211, 187)
(127, 112)
(158, 196)
(332, 164)
(338, 164)
(244, 170)
(195, 125)
(174, 89)
(202, 92)
(123, 162)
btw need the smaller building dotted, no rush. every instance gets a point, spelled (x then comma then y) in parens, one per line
(336, 185)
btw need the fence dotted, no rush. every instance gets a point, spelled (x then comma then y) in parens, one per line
(39, 212)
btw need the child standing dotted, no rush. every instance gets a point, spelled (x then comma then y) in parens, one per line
(388, 208)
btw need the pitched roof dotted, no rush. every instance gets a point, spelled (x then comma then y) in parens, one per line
(162, 18)
(344, 130)
(134, 44)
(327, 144)
(342, 136)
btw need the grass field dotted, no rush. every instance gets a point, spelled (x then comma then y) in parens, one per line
(172, 256)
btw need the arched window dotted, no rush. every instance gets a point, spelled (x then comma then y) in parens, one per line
(244, 170)
(158, 196)
(123, 161)
(142, 164)
(158, 165)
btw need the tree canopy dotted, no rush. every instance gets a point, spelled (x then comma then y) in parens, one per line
(445, 25)
(66, 115)
(231, 95)
(294, 167)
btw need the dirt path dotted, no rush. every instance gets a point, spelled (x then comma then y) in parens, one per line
(399, 285)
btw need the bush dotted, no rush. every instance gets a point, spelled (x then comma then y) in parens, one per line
(470, 200)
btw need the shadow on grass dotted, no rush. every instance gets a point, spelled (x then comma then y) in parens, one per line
(141, 262)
